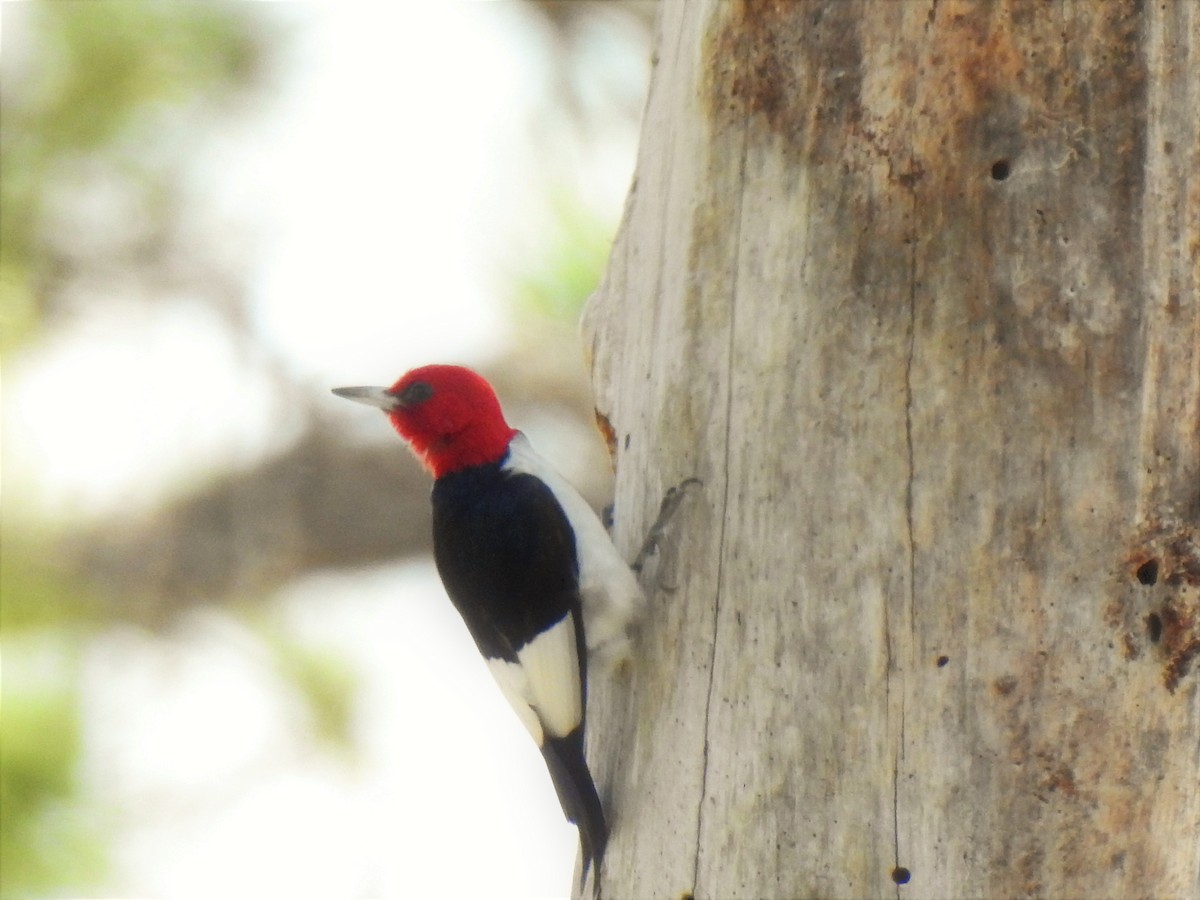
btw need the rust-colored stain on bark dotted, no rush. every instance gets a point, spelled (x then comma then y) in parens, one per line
(1061, 778)
(609, 434)
(767, 81)
(1166, 560)
(777, 66)
(1004, 685)
(974, 88)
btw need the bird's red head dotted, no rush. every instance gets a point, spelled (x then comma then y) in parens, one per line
(448, 414)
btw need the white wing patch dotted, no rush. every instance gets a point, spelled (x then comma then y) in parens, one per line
(514, 685)
(543, 684)
(608, 590)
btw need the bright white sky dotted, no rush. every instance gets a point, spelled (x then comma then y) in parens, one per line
(384, 188)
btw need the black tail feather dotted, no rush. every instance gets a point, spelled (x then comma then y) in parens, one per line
(577, 794)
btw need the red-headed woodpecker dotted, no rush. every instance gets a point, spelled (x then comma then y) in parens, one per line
(525, 561)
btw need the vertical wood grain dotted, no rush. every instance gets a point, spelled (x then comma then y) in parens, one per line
(913, 288)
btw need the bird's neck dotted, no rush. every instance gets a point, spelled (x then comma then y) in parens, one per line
(478, 444)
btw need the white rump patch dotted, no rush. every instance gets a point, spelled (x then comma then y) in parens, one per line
(514, 685)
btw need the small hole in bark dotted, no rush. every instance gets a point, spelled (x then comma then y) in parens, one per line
(687, 895)
(1147, 572)
(901, 875)
(1000, 170)
(1154, 626)
(942, 660)
(626, 442)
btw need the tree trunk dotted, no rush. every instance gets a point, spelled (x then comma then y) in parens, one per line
(913, 288)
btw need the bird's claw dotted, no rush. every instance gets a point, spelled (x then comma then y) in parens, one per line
(666, 511)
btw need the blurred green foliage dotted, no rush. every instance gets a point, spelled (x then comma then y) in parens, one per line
(559, 278)
(49, 841)
(326, 683)
(36, 595)
(83, 83)
(79, 79)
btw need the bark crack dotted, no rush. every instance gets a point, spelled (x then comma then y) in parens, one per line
(730, 354)
(908, 434)
(912, 564)
(908, 506)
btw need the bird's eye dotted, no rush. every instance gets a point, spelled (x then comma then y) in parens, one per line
(415, 393)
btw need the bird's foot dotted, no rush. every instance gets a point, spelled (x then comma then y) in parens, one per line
(670, 504)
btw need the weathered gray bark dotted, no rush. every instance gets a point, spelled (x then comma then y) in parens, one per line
(913, 287)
